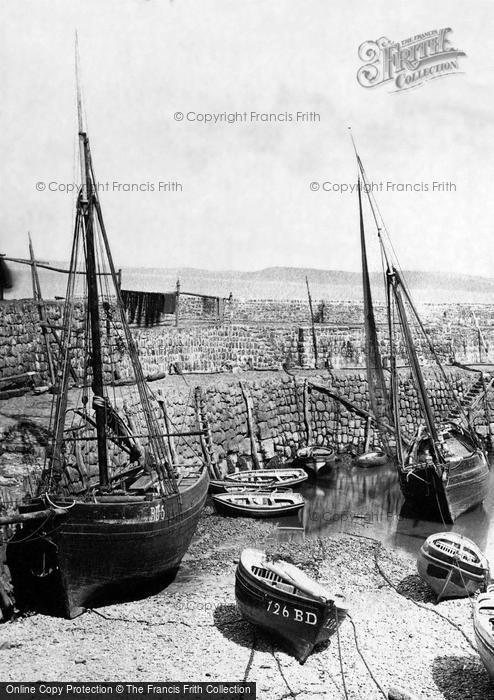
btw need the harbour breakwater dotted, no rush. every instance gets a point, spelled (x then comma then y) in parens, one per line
(249, 335)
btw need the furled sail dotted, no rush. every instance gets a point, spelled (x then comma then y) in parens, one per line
(378, 394)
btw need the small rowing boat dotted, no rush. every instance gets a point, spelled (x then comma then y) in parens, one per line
(317, 459)
(375, 458)
(453, 565)
(220, 486)
(258, 504)
(483, 625)
(284, 601)
(268, 478)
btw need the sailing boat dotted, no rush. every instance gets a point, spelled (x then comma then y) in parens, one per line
(442, 469)
(112, 516)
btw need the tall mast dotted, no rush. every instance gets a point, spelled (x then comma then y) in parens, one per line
(86, 209)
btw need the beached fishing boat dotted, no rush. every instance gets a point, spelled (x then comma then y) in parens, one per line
(269, 478)
(281, 599)
(453, 565)
(442, 467)
(483, 625)
(317, 460)
(258, 504)
(112, 516)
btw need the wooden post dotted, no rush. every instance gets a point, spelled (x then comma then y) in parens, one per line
(206, 440)
(171, 443)
(368, 428)
(250, 425)
(119, 278)
(308, 427)
(177, 303)
(314, 338)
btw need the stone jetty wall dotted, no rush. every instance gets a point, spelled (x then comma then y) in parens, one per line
(285, 415)
(251, 421)
(250, 335)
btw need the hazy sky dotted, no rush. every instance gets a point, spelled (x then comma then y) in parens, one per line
(246, 201)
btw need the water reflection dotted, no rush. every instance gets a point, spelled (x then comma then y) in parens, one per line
(369, 502)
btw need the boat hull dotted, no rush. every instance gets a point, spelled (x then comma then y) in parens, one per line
(317, 461)
(465, 486)
(225, 507)
(267, 478)
(100, 553)
(298, 624)
(483, 614)
(449, 575)
(371, 459)
(317, 468)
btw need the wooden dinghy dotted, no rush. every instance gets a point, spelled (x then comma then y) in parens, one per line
(220, 486)
(285, 602)
(453, 565)
(258, 504)
(269, 478)
(317, 460)
(375, 458)
(483, 625)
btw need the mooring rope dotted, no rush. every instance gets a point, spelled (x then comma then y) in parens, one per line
(395, 588)
(366, 664)
(342, 670)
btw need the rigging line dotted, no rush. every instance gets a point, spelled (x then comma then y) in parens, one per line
(168, 484)
(415, 602)
(340, 656)
(30, 535)
(366, 664)
(62, 396)
(433, 351)
(193, 449)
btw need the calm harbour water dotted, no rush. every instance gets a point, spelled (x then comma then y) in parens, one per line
(369, 502)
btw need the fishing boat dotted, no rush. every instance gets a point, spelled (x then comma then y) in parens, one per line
(317, 460)
(284, 601)
(442, 467)
(453, 565)
(260, 504)
(483, 625)
(373, 458)
(269, 478)
(112, 516)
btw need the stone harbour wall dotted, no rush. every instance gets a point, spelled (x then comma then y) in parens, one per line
(253, 420)
(278, 414)
(243, 339)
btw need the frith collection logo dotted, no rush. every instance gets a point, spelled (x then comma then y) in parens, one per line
(409, 63)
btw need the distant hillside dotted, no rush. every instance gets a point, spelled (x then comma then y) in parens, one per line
(276, 283)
